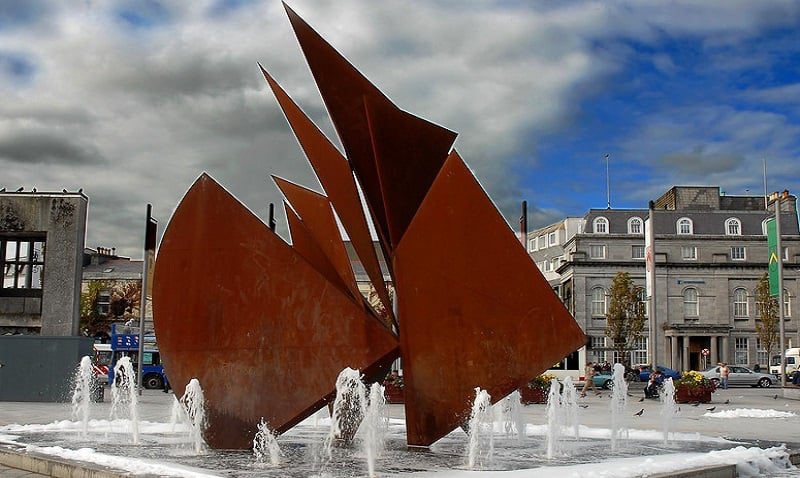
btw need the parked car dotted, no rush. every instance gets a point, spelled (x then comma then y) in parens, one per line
(603, 380)
(741, 376)
(644, 373)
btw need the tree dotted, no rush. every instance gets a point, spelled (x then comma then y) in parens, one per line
(767, 326)
(625, 317)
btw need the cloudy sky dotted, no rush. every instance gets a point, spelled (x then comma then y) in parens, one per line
(132, 100)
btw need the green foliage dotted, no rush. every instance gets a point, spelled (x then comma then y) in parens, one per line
(767, 326)
(625, 317)
(124, 301)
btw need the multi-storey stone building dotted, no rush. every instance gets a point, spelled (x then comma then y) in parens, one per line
(710, 252)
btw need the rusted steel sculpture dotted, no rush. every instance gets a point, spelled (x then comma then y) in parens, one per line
(472, 308)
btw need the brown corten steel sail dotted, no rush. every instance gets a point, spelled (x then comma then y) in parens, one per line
(315, 211)
(337, 180)
(474, 309)
(262, 330)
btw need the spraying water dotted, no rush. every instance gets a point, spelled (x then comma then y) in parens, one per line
(554, 420)
(513, 422)
(82, 393)
(569, 401)
(194, 403)
(348, 409)
(177, 414)
(619, 402)
(123, 392)
(374, 427)
(668, 407)
(265, 445)
(481, 423)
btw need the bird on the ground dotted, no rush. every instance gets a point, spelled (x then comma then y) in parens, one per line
(584, 406)
(775, 397)
(34, 190)
(711, 409)
(641, 399)
(64, 190)
(3, 190)
(639, 413)
(80, 191)
(727, 401)
(679, 409)
(598, 393)
(20, 189)
(696, 404)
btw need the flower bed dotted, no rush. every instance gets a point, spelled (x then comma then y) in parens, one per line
(536, 390)
(693, 387)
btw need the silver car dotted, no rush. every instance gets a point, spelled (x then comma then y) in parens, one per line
(740, 376)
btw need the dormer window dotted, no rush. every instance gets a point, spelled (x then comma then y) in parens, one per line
(600, 225)
(733, 227)
(635, 225)
(684, 226)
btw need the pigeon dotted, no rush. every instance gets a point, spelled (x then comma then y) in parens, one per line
(711, 409)
(584, 406)
(775, 397)
(20, 189)
(641, 399)
(3, 190)
(34, 189)
(696, 404)
(727, 401)
(80, 191)
(639, 413)
(598, 393)
(64, 190)
(679, 409)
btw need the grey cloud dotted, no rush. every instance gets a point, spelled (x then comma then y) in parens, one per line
(47, 147)
(700, 162)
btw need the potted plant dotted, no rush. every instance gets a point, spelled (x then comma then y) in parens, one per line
(693, 387)
(536, 390)
(393, 388)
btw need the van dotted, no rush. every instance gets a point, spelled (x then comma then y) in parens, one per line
(792, 362)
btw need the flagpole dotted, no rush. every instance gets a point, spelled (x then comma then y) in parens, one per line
(782, 327)
(652, 337)
(766, 200)
(608, 185)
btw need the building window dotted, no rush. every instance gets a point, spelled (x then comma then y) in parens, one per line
(552, 238)
(635, 225)
(103, 302)
(639, 352)
(691, 303)
(785, 254)
(597, 251)
(542, 242)
(637, 251)
(598, 302)
(598, 344)
(555, 263)
(787, 304)
(531, 244)
(738, 253)
(641, 294)
(22, 263)
(684, 226)
(733, 227)
(740, 302)
(740, 351)
(601, 225)
(689, 253)
(762, 357)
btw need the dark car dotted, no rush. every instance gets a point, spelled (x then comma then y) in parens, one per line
(644, 373)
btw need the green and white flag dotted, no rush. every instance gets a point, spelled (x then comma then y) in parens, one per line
(774, 257)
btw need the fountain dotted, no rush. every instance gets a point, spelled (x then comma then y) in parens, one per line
(374, 427)
(265, 446)
(480, 435)
(348, 409)
(82, 393)
(123, 392)
(554, 420)
(513, 422)
(194, 404)
(569, 401)
(619, 403)
(668, 407)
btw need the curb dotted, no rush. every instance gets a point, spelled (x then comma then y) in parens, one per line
(56, 467)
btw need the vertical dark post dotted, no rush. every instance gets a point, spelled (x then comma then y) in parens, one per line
(272, 217)
(523, 225)
(149, 258)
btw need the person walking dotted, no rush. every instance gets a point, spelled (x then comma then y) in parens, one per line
(724, 371)
(589, 372)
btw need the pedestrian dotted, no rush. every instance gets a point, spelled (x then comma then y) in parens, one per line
(724, 371)
(757, 368)
(589, 372)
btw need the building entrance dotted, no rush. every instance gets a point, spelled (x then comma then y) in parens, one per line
(696, 359)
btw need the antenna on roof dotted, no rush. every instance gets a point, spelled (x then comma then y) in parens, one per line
(766, 199)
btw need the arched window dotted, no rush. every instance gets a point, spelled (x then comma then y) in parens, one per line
(635, 225)
(598, 302)
(691, 304)
(600, 225)
(740, 302)
(684, 226)
(733, 227)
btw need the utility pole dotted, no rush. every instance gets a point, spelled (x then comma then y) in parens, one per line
(523, 225)
(149, 257)
(650, 277)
